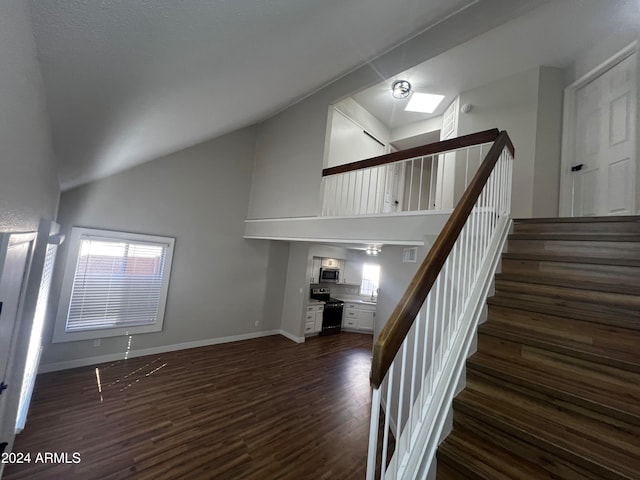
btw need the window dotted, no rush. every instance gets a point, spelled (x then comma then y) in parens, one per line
(115, 283)
(370, 279)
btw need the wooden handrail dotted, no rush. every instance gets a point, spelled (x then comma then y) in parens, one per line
(431, 149)
(403, 316)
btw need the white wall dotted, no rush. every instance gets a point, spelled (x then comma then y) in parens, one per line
(364, 118)
(395, 276)
(508, 104)
(296, 291)
(220, 283)
(28, 181)
(29, 187)
(605, 48)
(546, 174)
(290, 146)
(416, 129)
(528, 106)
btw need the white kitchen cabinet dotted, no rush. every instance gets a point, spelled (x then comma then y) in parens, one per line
(330, 262)
(358, 316)
(352, 273)
(350, 316)
(315, 270)
(365, 320)
(313, 319)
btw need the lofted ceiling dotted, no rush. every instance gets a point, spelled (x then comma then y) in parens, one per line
(552, 35)
(128, 81)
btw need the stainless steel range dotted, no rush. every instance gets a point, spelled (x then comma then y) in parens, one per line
(332, 316)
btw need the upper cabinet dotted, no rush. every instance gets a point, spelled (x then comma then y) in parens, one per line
(352, 273)
(330, 263)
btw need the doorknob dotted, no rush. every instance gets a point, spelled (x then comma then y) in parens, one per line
(577, 168)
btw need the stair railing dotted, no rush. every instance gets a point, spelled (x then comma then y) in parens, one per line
(420, 352)
(429, 177)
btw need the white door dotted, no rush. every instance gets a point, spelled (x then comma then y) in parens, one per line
(603, 168)
(15, 256)
(393, 188)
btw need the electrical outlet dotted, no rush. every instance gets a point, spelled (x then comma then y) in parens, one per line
(257, 323)
(96, 342)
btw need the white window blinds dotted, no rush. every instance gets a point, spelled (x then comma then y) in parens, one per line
(115, 283)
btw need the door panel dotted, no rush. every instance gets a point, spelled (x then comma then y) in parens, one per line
(586, 192)
(604, 143)
(620, 187)
(619, 120)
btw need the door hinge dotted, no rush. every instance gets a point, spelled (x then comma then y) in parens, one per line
(3, 387)
(577, 168)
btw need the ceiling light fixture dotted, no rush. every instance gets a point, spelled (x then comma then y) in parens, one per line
(373, 251)
(423, 102)
(400, 89)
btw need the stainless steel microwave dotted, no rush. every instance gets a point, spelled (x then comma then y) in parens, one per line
(329, 275)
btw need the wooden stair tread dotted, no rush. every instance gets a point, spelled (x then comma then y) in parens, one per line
(602, 446)
(446, 472)
(569, 283)
(535, 257)
(593, 353)
(598, 313)
(555, 382)
(575, 385)
(612, 218)
(576, 237)
(556, 467)
(567, 329)
(484, 460)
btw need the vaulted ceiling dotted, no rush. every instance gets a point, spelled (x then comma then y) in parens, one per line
(128, 81)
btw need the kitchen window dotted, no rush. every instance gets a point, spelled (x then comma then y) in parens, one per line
(370, 280)
(115, 283)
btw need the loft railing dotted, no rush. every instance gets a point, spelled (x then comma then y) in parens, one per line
(430, 177)
(420, 352)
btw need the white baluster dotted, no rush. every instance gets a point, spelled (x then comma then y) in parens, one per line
(373, 434)
(387, 415)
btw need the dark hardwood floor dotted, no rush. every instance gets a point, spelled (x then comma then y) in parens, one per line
(257, 409)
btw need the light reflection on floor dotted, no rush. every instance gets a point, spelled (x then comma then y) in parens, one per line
(128, 380)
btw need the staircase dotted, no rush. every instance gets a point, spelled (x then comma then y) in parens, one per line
(554, 388)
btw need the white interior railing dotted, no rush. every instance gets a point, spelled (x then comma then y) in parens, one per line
(426, 182)
(417, 390)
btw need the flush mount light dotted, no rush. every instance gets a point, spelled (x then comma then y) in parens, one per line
(423, 102)
(400, 89)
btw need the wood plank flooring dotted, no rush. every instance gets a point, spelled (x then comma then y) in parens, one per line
(257, 409)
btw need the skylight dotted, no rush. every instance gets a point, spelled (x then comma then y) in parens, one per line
(423, 102)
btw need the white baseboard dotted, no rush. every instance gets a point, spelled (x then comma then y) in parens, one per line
(293, 338)
(83, 362)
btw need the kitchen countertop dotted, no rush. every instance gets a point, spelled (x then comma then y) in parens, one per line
(313, 301)
(356, 300)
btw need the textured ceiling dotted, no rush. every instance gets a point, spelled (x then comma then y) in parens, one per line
(552, 35)
(128, 81)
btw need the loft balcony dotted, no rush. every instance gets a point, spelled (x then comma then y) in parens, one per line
(397, 198)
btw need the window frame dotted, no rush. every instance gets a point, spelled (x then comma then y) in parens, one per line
(375, 290)
(60, 333)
